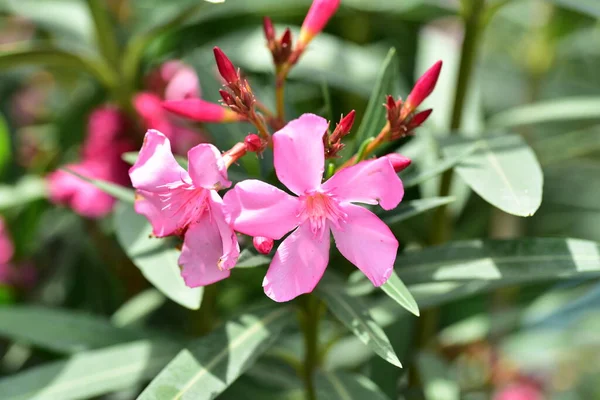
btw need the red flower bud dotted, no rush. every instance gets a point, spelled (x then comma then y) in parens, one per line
(225, 66)
(253, 143)
(262, 244)
(422, 89)
(318, 15)
(390, 102)
(419, 118)
(399, 162)
(201, 110)
(286, 38)
(268, 29)
(227, 97)
(347, 122)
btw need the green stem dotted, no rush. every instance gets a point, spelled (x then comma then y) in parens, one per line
(105, 34)
(207, 316)
(442, 225)
(310, 323)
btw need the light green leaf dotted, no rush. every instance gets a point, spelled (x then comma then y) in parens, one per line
(156, 258)
(589, 7)
(565, 109)
(503, 171)
(439, 380)
(58, 58)
(409, 209)
(353, 313)
(249, 259)
(386, 83)
(61, 331)
(212, 363)
(92, 373)
(568, 145)
(130, 157)
(138, 307)
(501, 261)
(119, 192)
(5, 150)
(395, 288)
(27, 189)
(344, 386)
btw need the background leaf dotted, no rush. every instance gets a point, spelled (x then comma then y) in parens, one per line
(344, 386)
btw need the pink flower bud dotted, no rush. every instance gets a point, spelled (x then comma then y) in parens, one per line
(201, 111)
(318, 15)
(262, 244)
(422, 89)
(347, 122)
(419, 118)
(254, 143)
(225, 66)
(399, 162)
(268, 29)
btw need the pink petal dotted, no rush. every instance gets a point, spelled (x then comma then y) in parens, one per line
(368, 182)
(106, 125)
(207, 167)
(367, 243)
(202, 249)
(183, 84)
(149, 205)
(299, 154)
(7, 248)
(256, 208)
(201, 110)
(156, 166)
(231, 248)
(298, 265)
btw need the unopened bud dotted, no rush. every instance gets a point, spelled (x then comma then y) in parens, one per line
(398, 161)
(254, 143)
(201, 111)
(422, 89)
(227, 97)
(262, 244)
(225, 66)
(318, 15)
(268, 29)
(343, 128)
(419, 118)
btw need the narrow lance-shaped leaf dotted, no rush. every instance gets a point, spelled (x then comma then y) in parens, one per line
(117, 191)
(395, 288)
(344, 386)
(508, 261)
(91, 374)
(504, 171)
(156, 258)
(211, 364)
(353, 313)
(61, 331)
(409, 209)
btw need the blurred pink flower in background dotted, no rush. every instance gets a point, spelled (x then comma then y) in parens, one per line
(22, 276)
(7, 249)
(106, 140)
(521, 390)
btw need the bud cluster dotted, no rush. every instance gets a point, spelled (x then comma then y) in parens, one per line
(237, 95)
(281, 48)
(333, 142)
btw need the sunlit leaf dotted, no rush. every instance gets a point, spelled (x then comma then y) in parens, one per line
(138, 307)
(568, 145)
(249, 259)
(5, 150)
(119, 192)
(27, 189)
(156, 258)
(395, 288)
(344, 386)
(91, 374)
(208, 366)
(439, 380)
(503, 171)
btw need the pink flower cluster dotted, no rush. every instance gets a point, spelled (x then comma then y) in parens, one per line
(186, 203)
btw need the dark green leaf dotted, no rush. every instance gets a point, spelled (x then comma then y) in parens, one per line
(353, 313)
(211, 364)
(156, 258)
(566, 109)
(501, 261)
(249, 259)
(5, 150)
(92, 373)
(344, 386)
(138, 307)
(503, 171)
(589, 7)
(119, 192)
(61, 331)
(411, 208)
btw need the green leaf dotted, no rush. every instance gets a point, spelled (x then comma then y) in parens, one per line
(501, 261)
(353, 313)
(503, 171)
(395, 288)
(5, 150)
(58, 58)
(212, 363)
(386, 83)
(409, 209)
(119, 192)
(567, 146)
(104, 31)
(138, 307)
(249, 259)
(589, 7)
(27, 189)
(156, 258)
(440, 167)
(130, 157)
(566, 109)
(439, 380)
(61, 331)
(344, 386)
(91, 374)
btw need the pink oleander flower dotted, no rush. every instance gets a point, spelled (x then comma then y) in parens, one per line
(107, 127)
(174, 80)
(202, 111)
(150, 109)
(520, 391)
(7, 249)
(259, 209)
(186, 203)
(318, 15)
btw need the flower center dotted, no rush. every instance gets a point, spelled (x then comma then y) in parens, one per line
(318, 208)
(184, 202)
